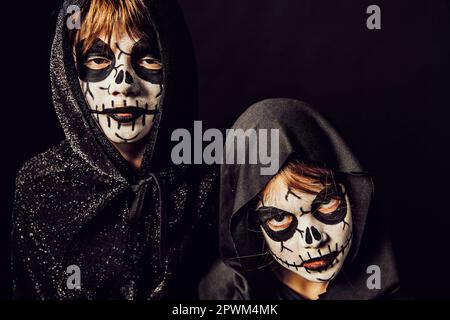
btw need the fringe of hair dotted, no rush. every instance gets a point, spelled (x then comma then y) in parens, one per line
(109, 17)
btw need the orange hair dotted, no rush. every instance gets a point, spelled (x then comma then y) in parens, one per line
(106, 17)
(302, 177)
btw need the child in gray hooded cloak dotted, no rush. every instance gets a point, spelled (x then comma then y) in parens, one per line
(306, 232)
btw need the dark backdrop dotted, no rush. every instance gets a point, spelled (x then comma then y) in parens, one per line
(386, 90)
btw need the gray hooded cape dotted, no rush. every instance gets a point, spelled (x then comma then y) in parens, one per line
(304, 132)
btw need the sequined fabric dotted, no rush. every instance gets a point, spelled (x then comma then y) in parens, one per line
(134, 235)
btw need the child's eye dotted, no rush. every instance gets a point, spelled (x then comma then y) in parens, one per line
(330, 206)
(97, 63)
(280, 222)
(150, 63)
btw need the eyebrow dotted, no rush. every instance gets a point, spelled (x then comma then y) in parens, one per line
(269, 212)
(98, 47)
(292, 193)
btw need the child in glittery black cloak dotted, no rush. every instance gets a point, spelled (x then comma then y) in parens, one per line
(107, 200)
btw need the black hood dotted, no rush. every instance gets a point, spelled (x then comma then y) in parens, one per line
(303, 132)
(177, 107)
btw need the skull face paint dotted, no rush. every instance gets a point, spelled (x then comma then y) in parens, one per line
(309, 234)
(122, 85)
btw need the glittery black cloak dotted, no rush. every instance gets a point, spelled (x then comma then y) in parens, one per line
(133, 234)
(244, 272)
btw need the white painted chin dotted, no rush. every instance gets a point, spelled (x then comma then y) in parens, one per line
(322, 274)
(124, 132)
(313, 275)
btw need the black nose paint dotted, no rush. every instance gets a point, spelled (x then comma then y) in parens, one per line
(308, 237)
(119, 78)
(128, 78)
(316, 233)
(310, 233)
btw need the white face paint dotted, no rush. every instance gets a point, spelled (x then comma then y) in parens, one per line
(309, 234)
(122, 85)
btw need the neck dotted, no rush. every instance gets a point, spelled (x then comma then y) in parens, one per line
(132, 152)
(307, 289)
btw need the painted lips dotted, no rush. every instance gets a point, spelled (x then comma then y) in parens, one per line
(320, 263)
(125, 114)
(124, 117)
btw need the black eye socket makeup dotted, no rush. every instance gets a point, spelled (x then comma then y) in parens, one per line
(142, 49)
(324, 197)
(265, 214)
(99, 49)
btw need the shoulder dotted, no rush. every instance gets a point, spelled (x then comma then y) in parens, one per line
(223, 283)
(208, 178)
(196, 182)
(55, 159)
(193, 173)
(38, 178)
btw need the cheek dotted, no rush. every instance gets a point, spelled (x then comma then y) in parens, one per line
(294, 243)
(335, 233)
(96, 93)
(284, 248)
(272, 244)
(341, 231)
(152, 92)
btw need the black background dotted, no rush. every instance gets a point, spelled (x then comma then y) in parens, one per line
(386, 90)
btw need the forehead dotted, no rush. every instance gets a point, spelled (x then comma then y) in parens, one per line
(282, 197)
(123, 40)
(118, 35)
